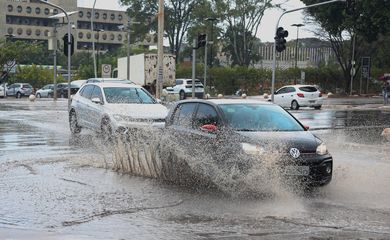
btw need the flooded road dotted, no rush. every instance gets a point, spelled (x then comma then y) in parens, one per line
(56, 187)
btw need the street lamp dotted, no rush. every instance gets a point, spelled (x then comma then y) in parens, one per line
(97, 36)
(211, 42)
(298, 25)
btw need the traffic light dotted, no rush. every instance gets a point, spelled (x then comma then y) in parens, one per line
(350, 7)
(202, 40)
(66, 45)
(279, 38)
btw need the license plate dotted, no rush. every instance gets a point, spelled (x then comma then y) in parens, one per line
(311, 101)
(296, 170)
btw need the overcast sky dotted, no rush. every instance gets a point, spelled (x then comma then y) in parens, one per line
(267, 27)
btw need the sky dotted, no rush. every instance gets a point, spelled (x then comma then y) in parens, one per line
(267, 27)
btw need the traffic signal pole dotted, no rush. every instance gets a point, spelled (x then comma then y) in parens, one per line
(276, 29)
(69, 44)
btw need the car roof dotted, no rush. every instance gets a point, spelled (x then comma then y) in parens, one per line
(108, 79)
(300, 85)
(231, 101)
(113, 84)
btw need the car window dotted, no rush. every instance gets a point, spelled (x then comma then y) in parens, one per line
(179, 82)
(206, 114)
(257, 117)
(290, 89)
(281, 91)
(27, 86)
(183, 114)
(17, 86)
(97, 93)
(127, 95)
(308, 89)
(87, 91)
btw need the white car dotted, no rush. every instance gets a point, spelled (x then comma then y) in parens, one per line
(2, 92)
(46, 91)
(114, 107)
(183, 87)
(296, 96)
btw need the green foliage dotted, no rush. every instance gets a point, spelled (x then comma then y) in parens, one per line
(35, 75)
(20, 51)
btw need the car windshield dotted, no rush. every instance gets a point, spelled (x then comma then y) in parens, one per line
(258, 117)
(127, 95)
(308, 89)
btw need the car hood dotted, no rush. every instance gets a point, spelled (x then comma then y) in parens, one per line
(305, 141)
(138, 111)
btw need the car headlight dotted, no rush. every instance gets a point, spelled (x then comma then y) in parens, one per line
(120, 118)
(252, 149)
(322, 149)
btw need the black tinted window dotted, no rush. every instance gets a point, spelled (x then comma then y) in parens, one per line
(290, 89)
(178, 82)
(283, 90)
(308, 89)
(183, 114)
(87, 91)
(206, 114)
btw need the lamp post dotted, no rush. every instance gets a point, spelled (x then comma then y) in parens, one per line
(298, 25)
(93, 40)
(97, 36)
(211, 42)
(160, 49)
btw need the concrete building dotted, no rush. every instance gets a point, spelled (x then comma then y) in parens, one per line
(29, 20)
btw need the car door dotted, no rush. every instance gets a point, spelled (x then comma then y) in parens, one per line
(280, 97)
(96, 110)
(83, 104)
(289, 96)
(11, 89)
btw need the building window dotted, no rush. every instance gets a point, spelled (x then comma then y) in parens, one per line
(112, 16)
(37, 10)
(120, 37)
(120, 17)
(46, 33)
(47, 11)
(104, 15)
(96, 15)
(104, 36)
(81, 14)
(28, 31)
(89, 35)
(81, 35)
(88, 14)
(10, 8)
(8, 20)
(27, 21)
(112, 37)
(19, 9)
(96, 36)
(19, 31)
(38, 32)
(55, 11)
(28, 9)
(10, 31)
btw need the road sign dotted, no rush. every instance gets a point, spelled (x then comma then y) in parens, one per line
(106, 70)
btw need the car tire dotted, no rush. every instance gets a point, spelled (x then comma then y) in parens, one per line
(294, 105)
(18, 95)
(49, 95)
(182, 95)
(106, 129)
(38, 95)
(73, 124)
(317, 107)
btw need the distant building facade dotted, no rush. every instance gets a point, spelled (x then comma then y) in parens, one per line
(29, 20)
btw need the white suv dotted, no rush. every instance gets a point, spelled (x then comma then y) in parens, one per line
(296, 96)
(183, 87)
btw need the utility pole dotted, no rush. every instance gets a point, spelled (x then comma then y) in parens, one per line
(205, 67)
(128, 48)
(193, 67)
(160, 49)
(353, 61)
(93, 40)
(55, 61)
(276, 29)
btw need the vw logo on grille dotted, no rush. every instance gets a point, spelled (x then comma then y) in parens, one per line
(294, 152)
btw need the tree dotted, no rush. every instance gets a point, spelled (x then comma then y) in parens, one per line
(242, 19)
(178, 19)
(342, 27)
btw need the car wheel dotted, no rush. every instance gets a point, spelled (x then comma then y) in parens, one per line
(74, 127)
(18, 95)
(182, 95)
(294, 105)
(49, 95)
(106, 129)
(38, 95)
(317, 107)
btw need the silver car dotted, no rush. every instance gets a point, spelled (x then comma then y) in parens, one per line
(19, 89)
(114, 107)
(46, 91)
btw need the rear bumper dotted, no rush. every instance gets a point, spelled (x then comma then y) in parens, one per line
(197, 94)
(310, 102)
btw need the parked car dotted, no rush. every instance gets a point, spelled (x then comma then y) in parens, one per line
(2, 92)
(111, 80)
(74, 87)
(241, 133)
(45, 91)
(113, 107)
(183, 87)
(296, 96)
(19, 89)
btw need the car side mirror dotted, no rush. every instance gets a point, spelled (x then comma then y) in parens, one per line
(306, 127)
(96, 100)
(210, 128)
(158, 100)
(169, 88)
(275, 92)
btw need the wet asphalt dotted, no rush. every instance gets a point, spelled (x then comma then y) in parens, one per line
(54, 187)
